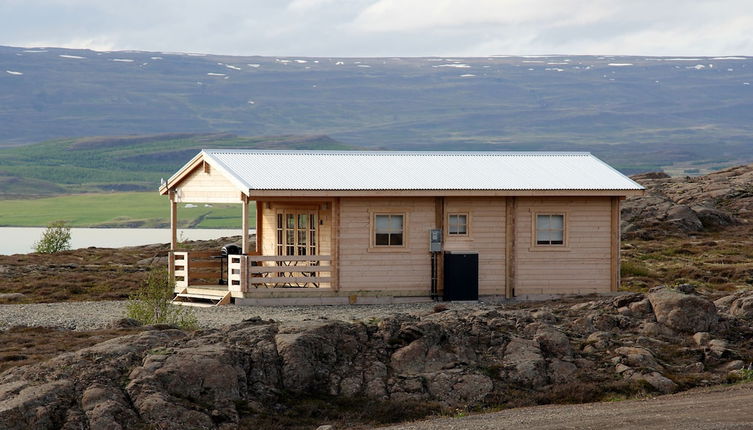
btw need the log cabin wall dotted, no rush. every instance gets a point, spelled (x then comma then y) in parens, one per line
(486, 235)
(582, 264)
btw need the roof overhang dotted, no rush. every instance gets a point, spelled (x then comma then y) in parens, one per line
(196, 163)
(441, 193)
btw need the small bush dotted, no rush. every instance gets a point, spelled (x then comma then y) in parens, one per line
(629, 268)
(56, 238)
(152, 303)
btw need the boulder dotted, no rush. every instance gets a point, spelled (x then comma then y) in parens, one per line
(553, 342)
(523, 363)
(560, 371)
(742, 307)
(683, 312)
(637, 357)
(660, 382)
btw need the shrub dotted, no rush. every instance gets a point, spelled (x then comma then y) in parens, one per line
(56, 238)
(629, 268)
(152, 303)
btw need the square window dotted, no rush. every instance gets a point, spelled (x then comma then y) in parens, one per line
(388, 230)
(457, 225)
(550, 229)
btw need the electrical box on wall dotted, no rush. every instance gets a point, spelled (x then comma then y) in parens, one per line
(435, 240)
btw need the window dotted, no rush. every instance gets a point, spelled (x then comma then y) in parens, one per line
(296, 233)
(550, 229)
(457, 225)
(388, 230)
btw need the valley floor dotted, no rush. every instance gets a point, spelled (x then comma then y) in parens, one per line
(718, 408)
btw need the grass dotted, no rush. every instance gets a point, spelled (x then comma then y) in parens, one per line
(20, 346)
(717, 261)
(131, 209)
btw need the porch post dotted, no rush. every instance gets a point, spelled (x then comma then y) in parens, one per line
(259, 217)
(173, 236)
(244, 199)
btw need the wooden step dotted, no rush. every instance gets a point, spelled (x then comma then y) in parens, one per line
(194, 304)
(200, 296)
(202, 300)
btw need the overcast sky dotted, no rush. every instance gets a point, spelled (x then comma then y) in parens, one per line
(385, 27)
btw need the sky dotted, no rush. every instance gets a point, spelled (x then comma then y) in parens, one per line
(379, 28)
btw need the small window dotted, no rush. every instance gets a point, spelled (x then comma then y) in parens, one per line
(388, 230)
(457, 225)
(550, 229)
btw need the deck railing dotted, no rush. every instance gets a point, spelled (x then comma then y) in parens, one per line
(196, 268)
(245, 272)
(287, 271)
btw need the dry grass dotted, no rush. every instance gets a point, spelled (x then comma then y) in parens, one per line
(28, 345)
(717, 261)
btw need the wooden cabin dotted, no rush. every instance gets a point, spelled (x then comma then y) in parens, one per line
(375, 227)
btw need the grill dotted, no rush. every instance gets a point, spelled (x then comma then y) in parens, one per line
(229, 249)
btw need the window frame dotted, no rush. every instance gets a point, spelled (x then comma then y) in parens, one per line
(467, 225)
(373, 247)
(564, 246)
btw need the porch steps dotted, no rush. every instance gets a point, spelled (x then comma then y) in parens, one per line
(202, 299)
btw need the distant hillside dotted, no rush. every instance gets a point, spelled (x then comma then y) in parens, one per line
(134, 163)
(676, 114)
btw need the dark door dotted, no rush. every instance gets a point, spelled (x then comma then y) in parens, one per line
(460, 276)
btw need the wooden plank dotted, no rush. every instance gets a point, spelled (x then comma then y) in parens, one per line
(615, 248)
(292, 258)
(259, 226)
(335, 244)
(510, 247)
(439, 215)
(245, 226)
(288, 269)
(291, 280)
(173, 222)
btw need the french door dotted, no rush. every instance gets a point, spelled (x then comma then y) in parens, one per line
(297, 233)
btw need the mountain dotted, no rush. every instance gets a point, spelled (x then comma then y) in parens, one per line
(126, 163)
(641, 113)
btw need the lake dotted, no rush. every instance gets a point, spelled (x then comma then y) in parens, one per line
(20, 240)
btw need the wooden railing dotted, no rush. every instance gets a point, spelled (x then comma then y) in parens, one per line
(252, 271)
(196, 267)
(291, 271)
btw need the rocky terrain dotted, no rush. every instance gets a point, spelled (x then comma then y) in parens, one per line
(688, 205)
(265, 374)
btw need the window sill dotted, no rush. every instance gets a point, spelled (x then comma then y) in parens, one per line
(465, 238)
(388, 250)
(549, 248)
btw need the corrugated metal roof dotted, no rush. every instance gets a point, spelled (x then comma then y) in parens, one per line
(397, 170)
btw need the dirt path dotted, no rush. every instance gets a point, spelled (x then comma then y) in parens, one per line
(728, 407)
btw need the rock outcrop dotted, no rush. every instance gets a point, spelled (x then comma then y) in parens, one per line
(685, 205)
(214, 379)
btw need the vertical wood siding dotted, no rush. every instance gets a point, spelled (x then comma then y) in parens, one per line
(207, 187)
(362, 268)
(486, 224)
(584, 266)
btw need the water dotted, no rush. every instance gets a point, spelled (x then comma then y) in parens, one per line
(20, 240)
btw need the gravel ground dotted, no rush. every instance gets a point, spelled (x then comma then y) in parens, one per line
(94, 315)
(714, 408)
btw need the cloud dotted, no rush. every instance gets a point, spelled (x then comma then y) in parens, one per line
(306, 5)
(413, 15)
(386, 27)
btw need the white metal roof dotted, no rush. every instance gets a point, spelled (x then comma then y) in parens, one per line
(397, 170)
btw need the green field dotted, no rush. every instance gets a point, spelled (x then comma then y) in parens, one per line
(133, 209)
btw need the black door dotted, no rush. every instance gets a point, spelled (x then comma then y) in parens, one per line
(460, 276)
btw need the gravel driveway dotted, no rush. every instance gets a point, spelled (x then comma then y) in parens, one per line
(714, 408)
(93, 315)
